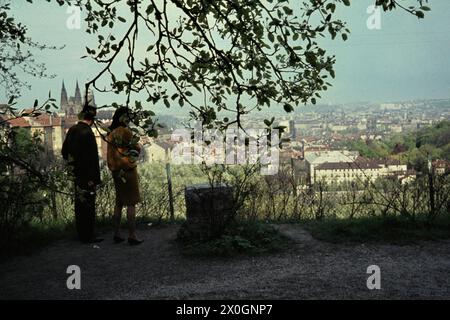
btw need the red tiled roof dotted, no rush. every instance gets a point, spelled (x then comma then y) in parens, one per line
(360, 165)
(392, 162)
(19, 122)
(441, 164)
(46, 120)
(388, 162)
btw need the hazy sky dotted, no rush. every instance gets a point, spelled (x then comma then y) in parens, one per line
(407, 59)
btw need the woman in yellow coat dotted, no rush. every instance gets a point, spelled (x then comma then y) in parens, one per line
(122, 152)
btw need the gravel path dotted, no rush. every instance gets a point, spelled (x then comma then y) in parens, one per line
(155, 270)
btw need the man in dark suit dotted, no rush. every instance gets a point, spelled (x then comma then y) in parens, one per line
(80, 150)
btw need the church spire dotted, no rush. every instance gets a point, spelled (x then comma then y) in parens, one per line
(78, 100)
(64, 99)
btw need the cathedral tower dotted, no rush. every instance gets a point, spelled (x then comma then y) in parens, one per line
(64, 98)
(78, 100)
(72, 105)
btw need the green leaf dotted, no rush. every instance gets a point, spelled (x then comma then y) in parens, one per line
(288, 10)
(167, 103)
(420, 14)
(288, 108)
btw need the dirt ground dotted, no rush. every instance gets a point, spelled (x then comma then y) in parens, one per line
(311, 269)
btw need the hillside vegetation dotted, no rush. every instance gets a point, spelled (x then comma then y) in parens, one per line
(412, 148)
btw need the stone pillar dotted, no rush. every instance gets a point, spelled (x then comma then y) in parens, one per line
(208, 211)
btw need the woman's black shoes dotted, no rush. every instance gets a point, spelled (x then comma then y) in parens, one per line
(134, 242)
(118, 239)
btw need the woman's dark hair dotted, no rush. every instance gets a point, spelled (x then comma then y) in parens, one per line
(121, 114)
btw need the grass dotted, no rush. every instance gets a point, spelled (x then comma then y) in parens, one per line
(397, 230)
(241, 238)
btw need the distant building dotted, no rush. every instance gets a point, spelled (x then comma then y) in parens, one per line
(360, 170)
(339, 166)
(71, 106)
(286, 155)
(157, 151)
(338, 127)
(52, 128)
(340, 172)
(292, 129)
(316, 158)
(390, 106)
(372, 124)
(396, 128)
(441, 167)
(48, 128)
(105, 114)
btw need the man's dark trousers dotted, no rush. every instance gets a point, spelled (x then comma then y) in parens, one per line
(85, 214)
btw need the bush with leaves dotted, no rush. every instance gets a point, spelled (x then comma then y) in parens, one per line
(21, 198)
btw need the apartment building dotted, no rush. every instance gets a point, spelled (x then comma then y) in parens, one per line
(340, 166)
(361, 170)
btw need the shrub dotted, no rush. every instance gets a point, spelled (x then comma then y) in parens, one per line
(242, 237)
